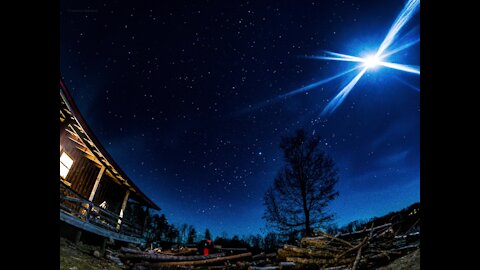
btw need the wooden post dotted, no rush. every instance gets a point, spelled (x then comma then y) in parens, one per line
(95, 186)
(145, 220)
(78, 236)
(104, 246)
(124, 205)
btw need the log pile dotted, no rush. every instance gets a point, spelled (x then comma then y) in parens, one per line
(149, 260)
(366, 249)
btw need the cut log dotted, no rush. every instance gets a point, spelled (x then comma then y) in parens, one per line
(336, 239)
(360, 245)
(293, 251)
(168, 258)
(232, 249)
(131, 250)
(287, 265)
(357, 259)
(259, 256)
(203, 262)
(319, 262)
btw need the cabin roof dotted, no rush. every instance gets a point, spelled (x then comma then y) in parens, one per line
(99, 151)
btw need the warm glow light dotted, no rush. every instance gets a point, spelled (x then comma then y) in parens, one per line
(66, 163)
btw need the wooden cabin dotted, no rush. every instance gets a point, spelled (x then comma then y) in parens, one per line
(95, 194)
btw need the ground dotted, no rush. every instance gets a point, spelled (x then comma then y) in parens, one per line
(81, 257)
(407, 262)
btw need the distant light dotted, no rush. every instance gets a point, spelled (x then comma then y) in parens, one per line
(372, 61)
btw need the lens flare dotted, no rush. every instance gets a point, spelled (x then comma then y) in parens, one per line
(372, 61)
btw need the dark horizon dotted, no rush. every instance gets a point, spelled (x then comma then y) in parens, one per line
(170, 91)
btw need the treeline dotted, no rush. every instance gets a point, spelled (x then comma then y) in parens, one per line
(160, 233)
(407, 216)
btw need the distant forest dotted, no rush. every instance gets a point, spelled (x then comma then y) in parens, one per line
(159, 233)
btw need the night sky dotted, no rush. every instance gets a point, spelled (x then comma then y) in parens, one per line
(182, 95)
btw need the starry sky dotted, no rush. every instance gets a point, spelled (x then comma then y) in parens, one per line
(182, 95)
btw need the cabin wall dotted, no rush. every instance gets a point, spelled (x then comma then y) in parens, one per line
(83, 173)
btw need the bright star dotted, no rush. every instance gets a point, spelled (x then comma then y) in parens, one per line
(369, 62)
(372, 61)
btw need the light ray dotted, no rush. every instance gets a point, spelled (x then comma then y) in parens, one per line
(342, 55)
(407, 84)
(411, 38)
(357, 59)
(316, 84)
(294, 92)
(338, 99)
(401, 20)
(406, 68)
(401, 48)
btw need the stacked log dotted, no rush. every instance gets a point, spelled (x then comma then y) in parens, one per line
(156, 260)
(364, 249)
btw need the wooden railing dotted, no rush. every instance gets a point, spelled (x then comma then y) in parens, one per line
(76, 205)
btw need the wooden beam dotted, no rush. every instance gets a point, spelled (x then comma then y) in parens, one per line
(124, 205)
(97, 181)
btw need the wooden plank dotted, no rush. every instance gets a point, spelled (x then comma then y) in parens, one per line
(98, 230)
(97, 181)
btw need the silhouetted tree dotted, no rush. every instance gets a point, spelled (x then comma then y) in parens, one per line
(271, 242)
(171, 233)
(192, 235)
(303, 188)
(183, 233)
(208, 235)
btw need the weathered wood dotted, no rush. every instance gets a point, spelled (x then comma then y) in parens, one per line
(124, 204)
(233, 249)
(155, 257)
(263, 268)
(293, 251)
(336, 239)
(287, 265)
(183, 251)
(360, 245)
(78, 236)
(258, 256)
(204, 262)
(131, 250)
(104, 246)
(317, 261)
(364, 231)
(97, 181)
(357, 259)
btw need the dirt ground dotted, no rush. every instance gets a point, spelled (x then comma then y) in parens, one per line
(81, 257)
(407, 262)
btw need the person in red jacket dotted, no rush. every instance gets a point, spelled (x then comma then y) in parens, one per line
(207, 246)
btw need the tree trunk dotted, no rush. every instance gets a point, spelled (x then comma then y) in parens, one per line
(308, 231)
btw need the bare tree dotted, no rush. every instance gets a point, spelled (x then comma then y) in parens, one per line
(183, 233)
(192, 235)
(303, 188)
(208, 235)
